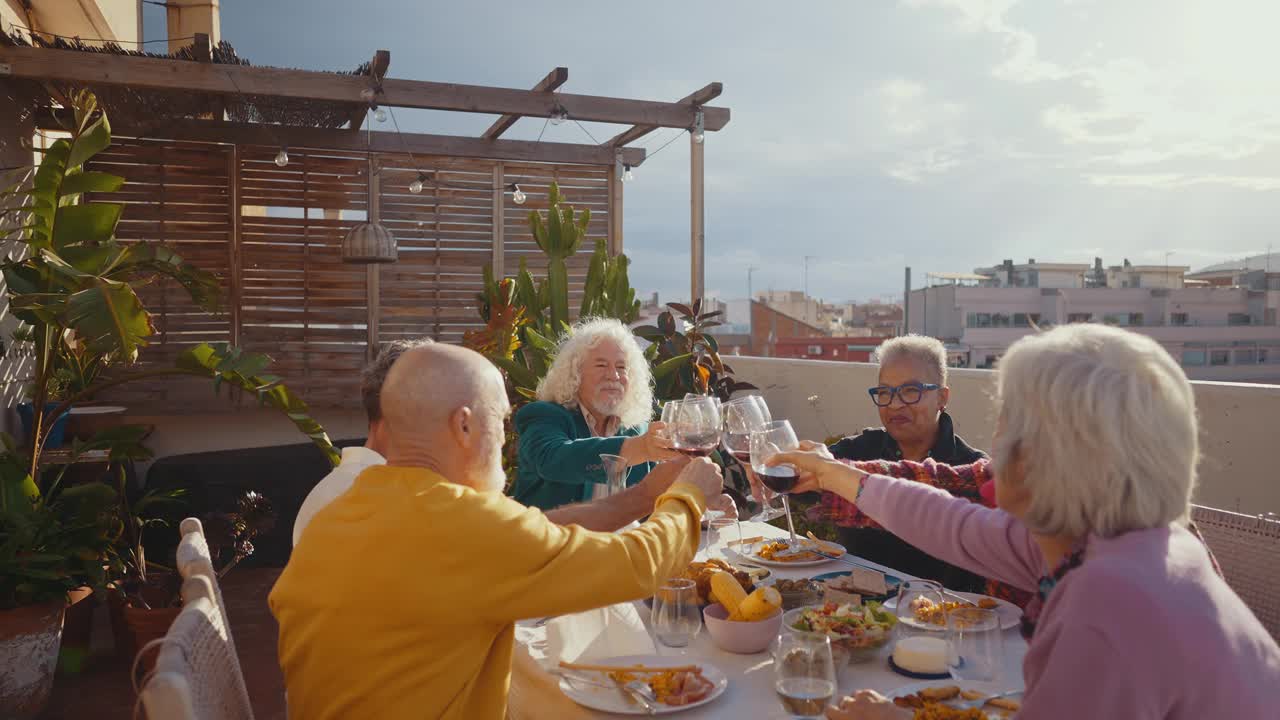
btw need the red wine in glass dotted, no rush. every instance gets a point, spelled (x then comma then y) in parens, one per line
(742, 456)
(696, 444)
(780, 479)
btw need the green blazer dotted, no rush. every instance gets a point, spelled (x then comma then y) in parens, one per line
(560, 459)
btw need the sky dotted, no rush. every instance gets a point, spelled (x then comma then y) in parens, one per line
(872, 135)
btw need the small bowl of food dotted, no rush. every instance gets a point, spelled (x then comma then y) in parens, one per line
(857, 632)
(798, 593)
(741, 636)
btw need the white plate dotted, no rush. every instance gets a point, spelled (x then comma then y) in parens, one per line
(1010, 614)
(98, 410)
(751, 556)
(606, 700)
(982, 687)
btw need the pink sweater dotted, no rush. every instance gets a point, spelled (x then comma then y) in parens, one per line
(1142, 630)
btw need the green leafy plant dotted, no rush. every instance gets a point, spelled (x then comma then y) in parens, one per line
(559, 237)
(74, 287)
(685, 357)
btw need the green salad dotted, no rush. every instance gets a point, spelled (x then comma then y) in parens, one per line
(849, 626)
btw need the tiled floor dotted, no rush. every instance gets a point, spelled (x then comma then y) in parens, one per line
(103, 691)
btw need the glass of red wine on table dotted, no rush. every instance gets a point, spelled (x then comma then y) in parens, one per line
(694, 425)
(776, 437)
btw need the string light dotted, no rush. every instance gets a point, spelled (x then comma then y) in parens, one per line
(699, 128)
(626, 174)
(559, 115)
(282, 157)
(518, 196)
(380, 115)
(415, 187)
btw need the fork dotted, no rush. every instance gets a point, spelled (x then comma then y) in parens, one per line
(635, 689)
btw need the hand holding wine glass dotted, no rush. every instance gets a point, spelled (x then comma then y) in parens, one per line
(695, 426)
(776, 437)
(818, 470)
(652, 446)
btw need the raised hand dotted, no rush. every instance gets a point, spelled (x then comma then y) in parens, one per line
(652, 446)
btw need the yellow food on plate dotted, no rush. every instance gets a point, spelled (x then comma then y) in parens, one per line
(758, 605)
(727, 591)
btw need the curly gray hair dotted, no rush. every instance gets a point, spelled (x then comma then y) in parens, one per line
(565, 376)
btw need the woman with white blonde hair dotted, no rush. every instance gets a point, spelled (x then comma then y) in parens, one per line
(597, 398)
(1095, 461)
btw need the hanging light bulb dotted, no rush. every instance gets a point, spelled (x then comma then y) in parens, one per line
(368, 95)
(518, 196)
(380, 115)
(699, 128)
(282, 157)
(626, 174)
(415, 187)
(559, 115)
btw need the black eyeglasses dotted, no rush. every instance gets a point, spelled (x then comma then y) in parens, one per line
(909, 393)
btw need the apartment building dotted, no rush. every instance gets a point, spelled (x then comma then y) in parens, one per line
(1224, 332)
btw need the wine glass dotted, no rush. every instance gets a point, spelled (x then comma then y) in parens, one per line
(695, 426)
(924, 593)
(742, 416)
(776, 437)
(975, 646)
(669, 409)
(676, 618)
(723, 529)
(805, 674)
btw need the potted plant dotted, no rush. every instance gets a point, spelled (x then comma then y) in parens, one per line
(73, 285)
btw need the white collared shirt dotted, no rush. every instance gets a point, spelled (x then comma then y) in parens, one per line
(339, 480)
(611, 424)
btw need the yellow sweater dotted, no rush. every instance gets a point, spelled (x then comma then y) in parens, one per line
(401, 601)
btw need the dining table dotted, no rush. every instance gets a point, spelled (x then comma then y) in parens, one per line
(535, 689)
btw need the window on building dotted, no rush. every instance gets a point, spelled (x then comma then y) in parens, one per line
(1079, 317)
(979, 320)
(1193, 357)
(1026, 319)
(1219, 357)
(1239, 319)
(1178, 319)
(1264, 356)
(1246, 357)
(1111, 319)
(815, 349)
(1001, 320)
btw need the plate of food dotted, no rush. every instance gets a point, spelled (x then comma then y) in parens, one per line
(700, 573)
(767, 552)
(930, 614)
(870, 584)
(940, 697)
(855, 631)
(675, 683)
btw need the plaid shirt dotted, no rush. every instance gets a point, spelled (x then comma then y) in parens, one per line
(962, 481)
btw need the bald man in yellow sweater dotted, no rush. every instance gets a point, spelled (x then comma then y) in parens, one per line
(402, 601)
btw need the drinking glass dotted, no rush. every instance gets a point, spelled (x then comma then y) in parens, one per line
(695, 426)
(742, 416)
(910, 593)
(804, 674)
(669, 409)
(776, 437)
(676, 618)
(722, 530)
(975, 645)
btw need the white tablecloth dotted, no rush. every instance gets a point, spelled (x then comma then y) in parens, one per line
(535, 692)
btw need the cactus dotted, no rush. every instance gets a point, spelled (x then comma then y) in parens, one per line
(608, 292)
(559, 237)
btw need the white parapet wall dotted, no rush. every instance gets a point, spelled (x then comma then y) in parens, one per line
(1239, 423)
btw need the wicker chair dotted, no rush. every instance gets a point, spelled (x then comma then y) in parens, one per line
(197, 675)
(1248, 549)
(194, 559)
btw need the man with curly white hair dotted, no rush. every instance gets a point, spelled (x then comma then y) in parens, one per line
(596, 399)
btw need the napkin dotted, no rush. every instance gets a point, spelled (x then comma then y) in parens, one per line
(601, 633)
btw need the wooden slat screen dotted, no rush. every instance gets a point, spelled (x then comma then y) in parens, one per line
(293, 297)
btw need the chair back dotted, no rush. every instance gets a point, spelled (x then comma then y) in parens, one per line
(1248, 549)
(194, 558)
(197, 675)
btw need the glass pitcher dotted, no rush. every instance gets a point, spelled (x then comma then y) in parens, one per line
(615, 469)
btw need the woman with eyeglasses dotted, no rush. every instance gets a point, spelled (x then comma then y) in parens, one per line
(911, 396)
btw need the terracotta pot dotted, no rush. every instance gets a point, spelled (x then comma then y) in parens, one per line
(29, 638)
(134, 627)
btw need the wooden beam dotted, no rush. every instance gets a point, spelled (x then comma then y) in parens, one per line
(697, 229)
(234, 281)
(383, 142)
(615, 212)
(696, 99)
(377, 70)
(553, 80)
(163, 74)
(499, 222)
(373, 272)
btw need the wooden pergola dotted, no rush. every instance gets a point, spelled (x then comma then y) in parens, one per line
(202, 179)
